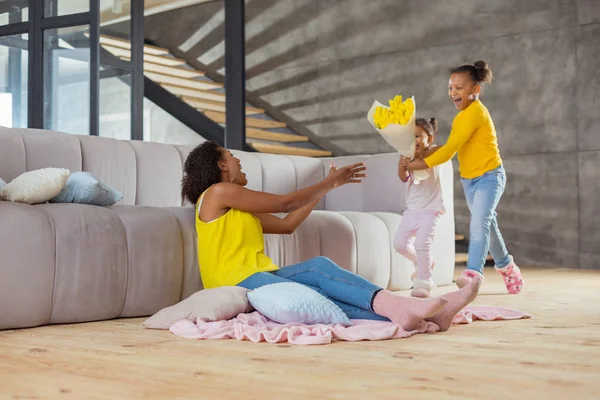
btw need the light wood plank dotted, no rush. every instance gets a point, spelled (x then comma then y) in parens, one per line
(178, 71)
(219, 117)
(289, 150)
(259, 134)
(125, 44)
(211, 105)
(554, 355)
(162, 60)
(459, 237)
(197, 94)
(189, 83)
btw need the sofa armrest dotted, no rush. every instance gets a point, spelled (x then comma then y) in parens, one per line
(68, 263)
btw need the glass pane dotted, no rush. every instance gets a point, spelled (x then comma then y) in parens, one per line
(67, 80)
(162, 127)
(114, 36)
(13, 11)
(13, 81)
(114, 11)
(55, 8)
(115, 78)
(115, 103)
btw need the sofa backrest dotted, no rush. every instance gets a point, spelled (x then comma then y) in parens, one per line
(382, 191)
(150, 173)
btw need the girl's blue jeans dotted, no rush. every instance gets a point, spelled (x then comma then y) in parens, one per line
(483, 194)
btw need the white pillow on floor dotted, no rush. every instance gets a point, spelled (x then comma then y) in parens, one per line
(294, 303)
(38, 186)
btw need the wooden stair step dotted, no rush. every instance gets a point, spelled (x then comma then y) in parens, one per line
(219, 117)
(259, 134)
(183, 82)
(288, 150)
(162, 60)
(167, 72)
(194, 93)
(459, 237)
(211, 105)
(125, 44)
(463, 257)
(177, 71)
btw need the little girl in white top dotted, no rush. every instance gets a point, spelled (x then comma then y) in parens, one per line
(425, 205)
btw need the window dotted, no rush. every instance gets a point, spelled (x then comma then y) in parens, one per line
(13, 81)
(56, 8)
(67, 80)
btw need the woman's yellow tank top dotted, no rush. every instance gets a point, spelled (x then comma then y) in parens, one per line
(230, 248)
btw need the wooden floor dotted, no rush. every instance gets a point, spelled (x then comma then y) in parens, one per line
(555, 355)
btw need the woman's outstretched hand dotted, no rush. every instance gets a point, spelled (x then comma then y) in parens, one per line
(349, 174)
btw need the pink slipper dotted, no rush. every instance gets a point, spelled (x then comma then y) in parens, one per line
(466, 277)
(512, 277)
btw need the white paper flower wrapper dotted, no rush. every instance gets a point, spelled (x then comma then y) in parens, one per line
(400, 137)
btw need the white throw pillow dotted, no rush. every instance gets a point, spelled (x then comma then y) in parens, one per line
(38, 186)
(294, 303)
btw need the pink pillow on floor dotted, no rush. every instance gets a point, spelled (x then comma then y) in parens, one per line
(215, 304)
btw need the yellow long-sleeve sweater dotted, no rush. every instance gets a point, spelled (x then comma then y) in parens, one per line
(473, 136)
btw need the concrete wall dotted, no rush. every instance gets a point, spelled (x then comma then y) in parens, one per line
(324, 62)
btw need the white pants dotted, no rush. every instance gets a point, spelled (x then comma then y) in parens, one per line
(414, 238)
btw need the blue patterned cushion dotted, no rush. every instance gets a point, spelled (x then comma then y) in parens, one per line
(293, 303)
(83, 188)
(2, 185)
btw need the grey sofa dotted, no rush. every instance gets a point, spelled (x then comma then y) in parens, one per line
(68, 263)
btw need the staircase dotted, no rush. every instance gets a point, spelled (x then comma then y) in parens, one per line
(263, 133)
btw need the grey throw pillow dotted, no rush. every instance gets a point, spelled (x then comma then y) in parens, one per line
(217, 304)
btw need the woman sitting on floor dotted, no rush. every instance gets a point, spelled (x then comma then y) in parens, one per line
(231, 220)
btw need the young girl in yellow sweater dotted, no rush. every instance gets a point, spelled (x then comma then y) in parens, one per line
(473, 137)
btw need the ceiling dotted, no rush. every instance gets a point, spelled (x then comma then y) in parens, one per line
(115, 11)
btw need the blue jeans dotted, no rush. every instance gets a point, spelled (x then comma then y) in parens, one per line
(483, 194)
(352, 293)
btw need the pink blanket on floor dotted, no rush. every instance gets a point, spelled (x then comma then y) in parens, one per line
(256, 328)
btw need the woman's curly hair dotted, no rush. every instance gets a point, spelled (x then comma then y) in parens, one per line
(200, 170)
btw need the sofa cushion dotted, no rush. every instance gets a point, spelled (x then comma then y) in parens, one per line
(90, 262)
(27, 245)
(155, 252)
(12, 162)
(112, 162)
(158, 183)
(185, 216)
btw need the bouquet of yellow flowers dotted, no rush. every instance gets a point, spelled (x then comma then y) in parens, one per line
(396, 124)
(399, 112)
